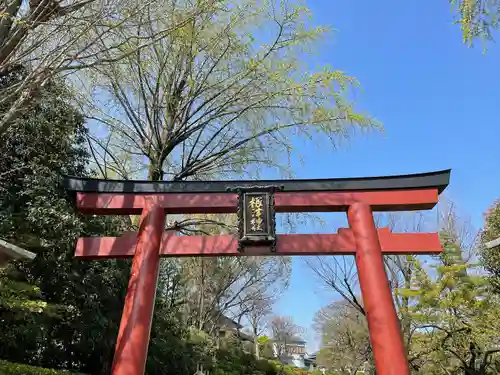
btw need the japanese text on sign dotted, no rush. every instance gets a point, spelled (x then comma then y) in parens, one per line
(256, 212)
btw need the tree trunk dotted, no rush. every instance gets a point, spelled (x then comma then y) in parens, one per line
(155, 172)
(256, 347)
(201, 301)
(255, 339)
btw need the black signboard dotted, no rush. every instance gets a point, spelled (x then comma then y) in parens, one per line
(256, 218)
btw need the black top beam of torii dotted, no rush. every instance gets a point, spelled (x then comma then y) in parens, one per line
(438, 179)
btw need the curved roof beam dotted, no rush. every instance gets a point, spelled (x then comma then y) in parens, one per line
(437, 180)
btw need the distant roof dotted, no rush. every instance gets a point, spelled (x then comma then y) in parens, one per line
(245, 336)
(225, 320)
(292, 340)
(311, 356)
(9, 252)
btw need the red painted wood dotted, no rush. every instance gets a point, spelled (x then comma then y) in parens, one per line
(292, 244)
(135, 326)
(131, 204)
(152, 242)
(385, 335)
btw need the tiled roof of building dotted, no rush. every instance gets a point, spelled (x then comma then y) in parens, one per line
(292, 340)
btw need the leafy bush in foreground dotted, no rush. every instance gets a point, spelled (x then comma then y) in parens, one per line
(9, 368)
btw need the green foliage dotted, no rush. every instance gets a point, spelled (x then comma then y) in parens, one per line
(491, 257)
(228, 100)
(57, 312)
(477, 18)
(456, 320)
(175, 350)
(9, 368)
(262, 340)
(22, 297)
(236, 362)
(266, 350)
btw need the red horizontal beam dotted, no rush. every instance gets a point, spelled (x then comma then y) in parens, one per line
(132, 204)
(227, 245)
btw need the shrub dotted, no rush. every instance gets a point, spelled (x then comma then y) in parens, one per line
(9, 368)
(236, 362)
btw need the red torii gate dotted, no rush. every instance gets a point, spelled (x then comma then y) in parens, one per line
(256, 202)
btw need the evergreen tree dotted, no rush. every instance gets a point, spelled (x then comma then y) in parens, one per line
(491, 257)
(456, 319)
(56, 311)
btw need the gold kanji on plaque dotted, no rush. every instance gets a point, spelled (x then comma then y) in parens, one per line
(256, 218)
(256, 208)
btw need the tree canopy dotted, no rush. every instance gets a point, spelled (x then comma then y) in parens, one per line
(477, 18)
(218, 97)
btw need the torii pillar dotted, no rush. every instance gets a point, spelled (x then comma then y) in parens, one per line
(256, 204)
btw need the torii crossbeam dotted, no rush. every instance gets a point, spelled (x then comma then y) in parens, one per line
(256, 203)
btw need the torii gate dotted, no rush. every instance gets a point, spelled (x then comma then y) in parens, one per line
(256, 202)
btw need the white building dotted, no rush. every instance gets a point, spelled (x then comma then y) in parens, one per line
(291, 352)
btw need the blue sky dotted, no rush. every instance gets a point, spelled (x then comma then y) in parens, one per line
(435, 98)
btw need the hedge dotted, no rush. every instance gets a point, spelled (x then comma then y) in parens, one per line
(9, 368)
(224, 367)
